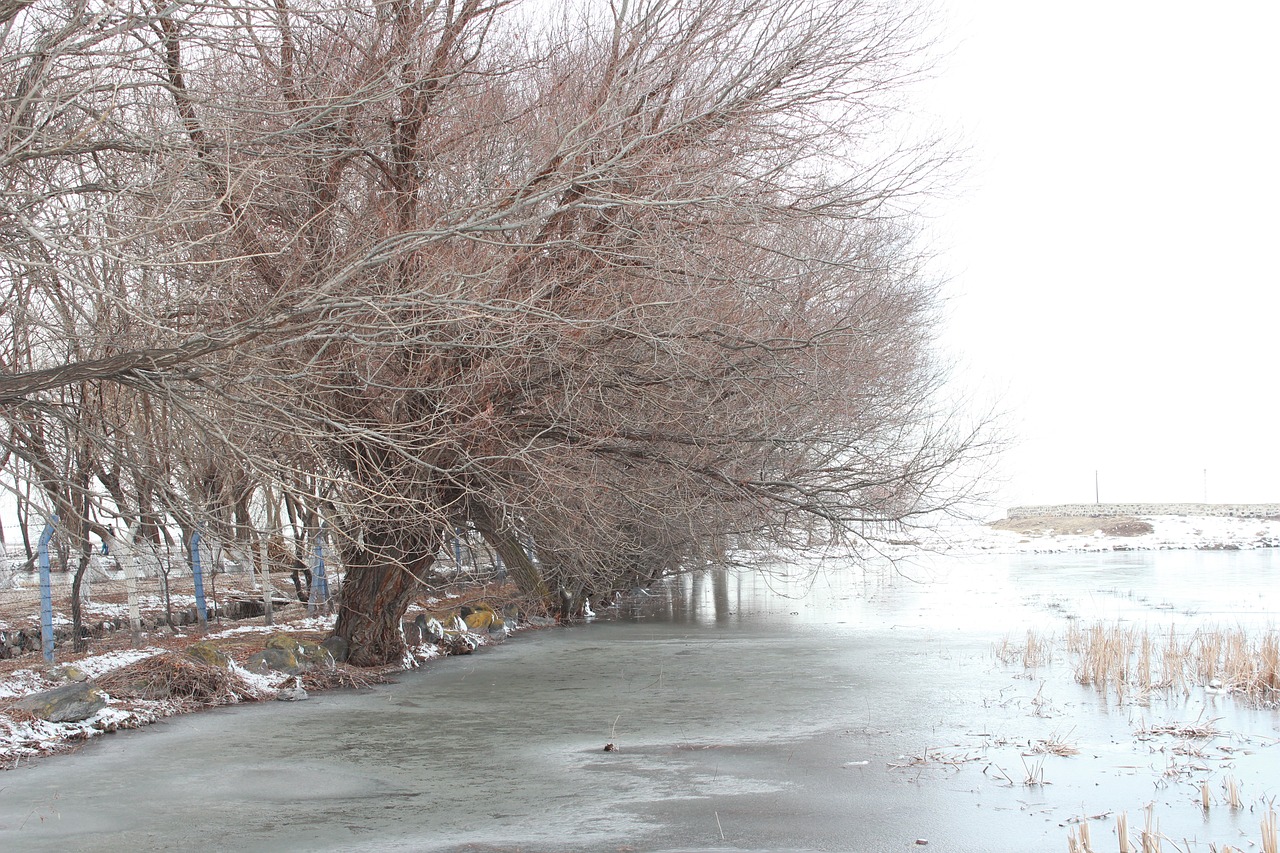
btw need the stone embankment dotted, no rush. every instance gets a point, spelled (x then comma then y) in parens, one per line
(1107, 510)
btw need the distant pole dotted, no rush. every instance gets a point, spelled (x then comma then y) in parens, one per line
(1096, 494)
(1206, 485)
(46, 589)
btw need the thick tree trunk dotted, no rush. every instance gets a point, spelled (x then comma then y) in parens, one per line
(384, 575)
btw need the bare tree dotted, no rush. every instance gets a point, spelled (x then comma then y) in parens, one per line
(629, 283)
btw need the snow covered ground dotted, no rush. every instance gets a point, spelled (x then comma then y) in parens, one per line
(1168, 532)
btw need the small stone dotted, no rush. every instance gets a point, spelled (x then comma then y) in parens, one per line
(69, 672)
(922, 841)
(291, 694)
(609, 747)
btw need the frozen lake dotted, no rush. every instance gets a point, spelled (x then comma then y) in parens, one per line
(850, 709)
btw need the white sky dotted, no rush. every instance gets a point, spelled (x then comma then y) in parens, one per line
(1112, 249)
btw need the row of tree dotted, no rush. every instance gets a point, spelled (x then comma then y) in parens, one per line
(630, 280)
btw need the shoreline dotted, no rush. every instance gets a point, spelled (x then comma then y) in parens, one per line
(25, 737)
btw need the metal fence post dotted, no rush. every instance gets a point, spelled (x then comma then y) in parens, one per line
(198, 577)
(46, 589)
(319, 597)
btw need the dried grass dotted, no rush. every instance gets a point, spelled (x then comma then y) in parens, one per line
(1034, 777)
(171, 676)
(1189, 730)
(1078, 840)
(1270, 837)
(1232, 788)
(1131, 663)
(1151, 832)
(1055, 744)
(1122, 831)
(342, 676)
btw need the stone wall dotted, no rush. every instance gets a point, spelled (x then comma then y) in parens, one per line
(1103, 510)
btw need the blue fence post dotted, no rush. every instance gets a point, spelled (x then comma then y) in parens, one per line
(46, 589)
(457, 547)
(198, 576)
(319, 583)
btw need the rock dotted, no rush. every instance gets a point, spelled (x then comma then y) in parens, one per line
(479, 619)
(432, 630)
(458, 643)
(68, 672)
(273, 660)
(70, 703)
(207, 653)
(337, 647)
(284, 642)
(314, 656)
(292, 694)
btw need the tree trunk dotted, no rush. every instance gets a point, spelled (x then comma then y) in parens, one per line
(79, 636)
(506, 542)
(384, 575)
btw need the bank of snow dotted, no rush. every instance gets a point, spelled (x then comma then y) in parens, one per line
(1167, 532)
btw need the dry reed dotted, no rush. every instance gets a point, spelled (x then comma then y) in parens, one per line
(1054, 745)
(1034, 772)
(1232, 788)
(1270, 837)
(1151, 832)
(1078, 840)
(1035, 651)
(1133, 663)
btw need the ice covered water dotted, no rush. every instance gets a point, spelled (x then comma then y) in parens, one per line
(824, 706)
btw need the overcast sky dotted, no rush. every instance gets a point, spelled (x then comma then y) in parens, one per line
(1112, 249)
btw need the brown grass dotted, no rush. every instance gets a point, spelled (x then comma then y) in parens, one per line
(1071, 525)
(342, 676)
(1232, 787)
(1151, 832)
(175, 677)
(1132, 663)
(1078, 841)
